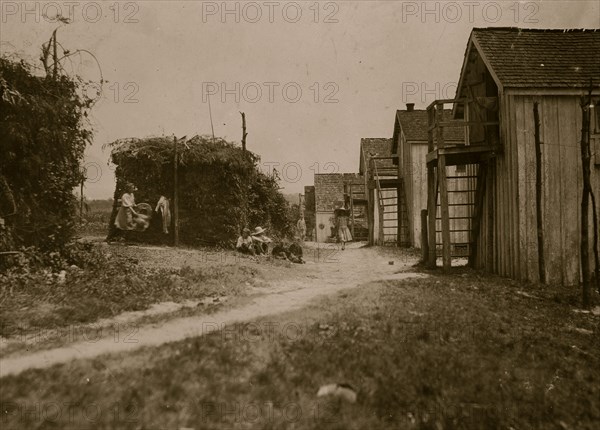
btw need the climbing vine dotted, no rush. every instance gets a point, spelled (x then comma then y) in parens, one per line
(43, 135)
(221, 189)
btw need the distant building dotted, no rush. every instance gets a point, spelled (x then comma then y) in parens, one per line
(331, 191)
(409, 142)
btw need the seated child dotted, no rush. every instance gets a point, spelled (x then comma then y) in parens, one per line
(245, 243)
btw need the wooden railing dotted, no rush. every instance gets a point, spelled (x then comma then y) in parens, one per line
(436, 122)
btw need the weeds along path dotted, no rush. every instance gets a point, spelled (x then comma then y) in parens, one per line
(347, 269)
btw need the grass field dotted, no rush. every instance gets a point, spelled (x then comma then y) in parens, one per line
(447, 352)
(96, 217)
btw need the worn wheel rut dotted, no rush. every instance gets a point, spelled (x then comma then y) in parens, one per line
(352, 267)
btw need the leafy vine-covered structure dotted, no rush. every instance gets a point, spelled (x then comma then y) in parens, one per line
(43, 135)
(220, 189)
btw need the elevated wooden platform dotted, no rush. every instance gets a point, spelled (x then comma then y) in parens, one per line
(385, 183)
(461, 155)
(459, 229)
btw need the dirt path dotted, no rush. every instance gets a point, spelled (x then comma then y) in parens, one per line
(348, 269)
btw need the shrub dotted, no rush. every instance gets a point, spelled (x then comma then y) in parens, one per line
(43, 135)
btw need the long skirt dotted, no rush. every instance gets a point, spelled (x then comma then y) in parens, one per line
(344, 234)
(124, 219)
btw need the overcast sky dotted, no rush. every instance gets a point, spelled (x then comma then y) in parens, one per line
(312, 78)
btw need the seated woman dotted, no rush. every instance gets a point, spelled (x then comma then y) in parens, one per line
(245, 243)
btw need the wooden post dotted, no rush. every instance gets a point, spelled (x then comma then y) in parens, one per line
(55, 55)
(445, 213)
(244, 134)
(431, 215)
(399, 213)
(538, 195)
(175, 194)
(424, 239)
(370, 214)
(431, 193)
(443, 184)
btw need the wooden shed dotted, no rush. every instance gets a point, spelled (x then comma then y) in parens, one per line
(505, 72)
(409, 142)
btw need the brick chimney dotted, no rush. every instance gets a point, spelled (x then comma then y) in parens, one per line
(410, 107)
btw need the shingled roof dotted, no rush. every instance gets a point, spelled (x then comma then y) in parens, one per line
(329, 189)
(534, 58)
(377, 146)
(414, 126)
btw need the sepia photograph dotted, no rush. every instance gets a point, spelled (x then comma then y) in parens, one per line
(304, 215)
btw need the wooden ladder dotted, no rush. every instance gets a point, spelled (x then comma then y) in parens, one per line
(454, 213)
(357, 196)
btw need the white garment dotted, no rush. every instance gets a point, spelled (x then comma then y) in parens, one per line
(164, 206)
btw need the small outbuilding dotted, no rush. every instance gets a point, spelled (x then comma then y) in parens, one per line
(506, 74)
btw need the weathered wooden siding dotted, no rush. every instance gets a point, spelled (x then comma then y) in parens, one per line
(415, 178)
(416, 188)
(510, 204)
(323, 218)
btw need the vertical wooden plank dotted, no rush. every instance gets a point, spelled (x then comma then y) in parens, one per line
(419, 184)
(522, 178)
(509, 113)
(538, 193)
(431, 192)
(509, 232)
(398, 212)
(569, 122)
(519, 176)
(514, 180)
(551, 184)
(371, 214)
(526, 141)
(499, 209)
(424, 238)
(478, 209)
(443, 184)
(431, 213)
(484, 229)
(491, 260)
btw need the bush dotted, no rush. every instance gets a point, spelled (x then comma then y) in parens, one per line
(43, 135)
